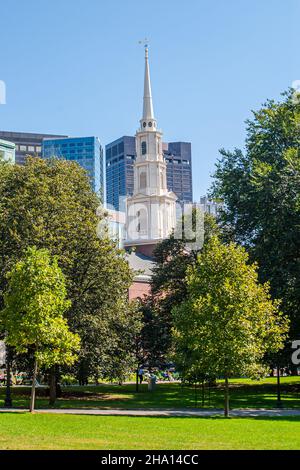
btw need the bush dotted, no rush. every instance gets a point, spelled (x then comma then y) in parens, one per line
(68, 379)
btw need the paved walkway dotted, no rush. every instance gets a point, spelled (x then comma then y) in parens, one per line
(250, 412)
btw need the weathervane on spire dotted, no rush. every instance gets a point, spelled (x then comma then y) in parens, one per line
(145, 43)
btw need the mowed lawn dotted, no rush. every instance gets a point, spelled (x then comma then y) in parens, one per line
(243, 394)
(45, 431)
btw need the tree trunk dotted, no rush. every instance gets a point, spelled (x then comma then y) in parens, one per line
(294, 369)
(226, 404)
(8, 400)
(278, 387)
(32, 398)
(52, 385)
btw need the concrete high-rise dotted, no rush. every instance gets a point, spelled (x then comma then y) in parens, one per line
(27, 143)
(178, 156)
(210, 206)
(7, 151)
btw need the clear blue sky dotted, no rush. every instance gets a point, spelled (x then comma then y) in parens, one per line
(75, 67)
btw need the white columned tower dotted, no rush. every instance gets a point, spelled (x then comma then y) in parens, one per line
(150, 211)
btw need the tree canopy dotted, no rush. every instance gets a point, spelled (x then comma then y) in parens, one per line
(261, 191)
(50, 204)
(228, 321)
(33, 316)
(172, 258)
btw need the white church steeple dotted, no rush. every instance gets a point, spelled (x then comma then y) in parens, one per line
(148, 119)
(151, 214)
(147, 102)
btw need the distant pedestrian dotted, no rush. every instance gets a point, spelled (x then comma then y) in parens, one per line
(169, 376)
(141, 375)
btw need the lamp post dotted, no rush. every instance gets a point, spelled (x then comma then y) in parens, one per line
(8, 400)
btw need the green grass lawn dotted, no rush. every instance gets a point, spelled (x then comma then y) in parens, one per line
(244, 393)
(45, 431)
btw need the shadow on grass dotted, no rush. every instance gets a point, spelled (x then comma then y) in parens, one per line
(166, 396)
(216, 418)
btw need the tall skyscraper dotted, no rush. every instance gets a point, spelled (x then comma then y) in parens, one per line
(7, 151)
(27, 143)
(178, 156)
(87, 151)
(150, 211)
(120, 157)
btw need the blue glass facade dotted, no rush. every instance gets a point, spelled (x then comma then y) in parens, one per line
(86, 151)
(120, 157)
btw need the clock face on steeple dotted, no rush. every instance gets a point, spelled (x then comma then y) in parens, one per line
(144, 124)
(150, 124)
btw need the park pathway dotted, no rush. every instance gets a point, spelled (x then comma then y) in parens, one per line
(245, 412)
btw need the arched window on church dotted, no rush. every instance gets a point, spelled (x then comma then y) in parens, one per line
(143, 180)
(142, 227)
(144, 148)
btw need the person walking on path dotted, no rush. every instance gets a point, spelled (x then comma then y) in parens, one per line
(141, 374)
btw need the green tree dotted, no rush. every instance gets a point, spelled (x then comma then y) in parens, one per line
(261, 191)
(228, 321)
(50, 204)
(115, 359)
(33, 317)
(172, 258)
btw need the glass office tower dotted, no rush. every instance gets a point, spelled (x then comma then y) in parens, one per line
(86, 151)
(120, 156)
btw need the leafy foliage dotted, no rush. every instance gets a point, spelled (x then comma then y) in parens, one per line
(261, 191)
(172, 256)
(228, 321)
(35, 303)
(50, 204)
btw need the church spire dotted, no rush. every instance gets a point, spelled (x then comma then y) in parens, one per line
(147, 105)
(151, 212)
